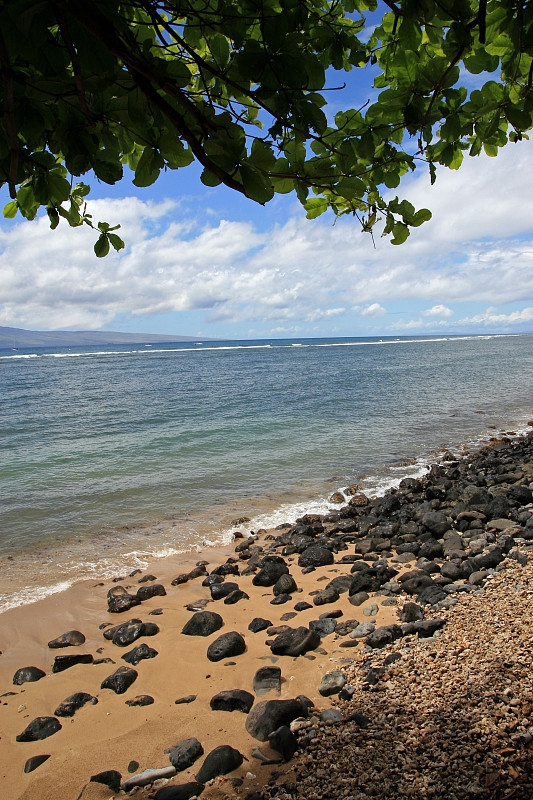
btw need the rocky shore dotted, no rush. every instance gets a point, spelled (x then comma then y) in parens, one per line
(380, 650)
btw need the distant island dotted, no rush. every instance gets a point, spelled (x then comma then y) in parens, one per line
(16, 338)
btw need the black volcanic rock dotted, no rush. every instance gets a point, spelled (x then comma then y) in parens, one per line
(69, 639)
(219, 761)
(39, 728)
(203, 623)
(227, 645)
(120, 681)
(232, 700)
(27, 675)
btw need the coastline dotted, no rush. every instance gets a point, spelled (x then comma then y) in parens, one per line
(110, 735)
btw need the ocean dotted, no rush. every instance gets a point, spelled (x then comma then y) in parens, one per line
(113, 457)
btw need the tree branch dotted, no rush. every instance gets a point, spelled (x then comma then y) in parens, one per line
(9, 116)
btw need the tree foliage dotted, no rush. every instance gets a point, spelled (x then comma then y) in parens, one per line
(241, 86)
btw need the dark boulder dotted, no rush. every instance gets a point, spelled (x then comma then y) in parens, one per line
(69, 639)
(431, 549)
(110, 778)
(118, 603)
(235, 596)
(120, 681)
(219, 761)
(39, 728)
(285, 585)
(139, 653)
(259, 624)
(270, 573)
(203, 623)
(185, 753)
(27, 675)
(269, 715)
(141, 700)
(316, 556)
(34, 762)
(65, 662)
(436, 522)
(221, 590)
(283, 741)
(295, 642)
(411, 612)
(69, 706)
(227, 645)
(232, 700)
(154, 590)
(383, 636)
(184, 791)
(327, 595)
(267, 679)
(323, 626)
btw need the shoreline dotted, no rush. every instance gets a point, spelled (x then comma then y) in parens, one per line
(284, 506)
(110, 735)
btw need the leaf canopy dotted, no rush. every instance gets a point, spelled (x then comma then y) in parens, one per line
(240, 86)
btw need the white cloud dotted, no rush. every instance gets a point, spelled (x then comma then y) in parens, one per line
(438, 311)
(374, 310)
(477, 247)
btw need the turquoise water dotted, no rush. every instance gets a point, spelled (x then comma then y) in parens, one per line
(110, 457)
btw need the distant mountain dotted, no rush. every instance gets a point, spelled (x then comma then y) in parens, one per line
(19, 338)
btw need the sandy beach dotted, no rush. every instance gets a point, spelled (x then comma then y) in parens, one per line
(107, 734)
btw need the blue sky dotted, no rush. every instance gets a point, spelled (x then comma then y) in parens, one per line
(209, 262)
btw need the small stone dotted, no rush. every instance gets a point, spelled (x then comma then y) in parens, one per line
(330, 715)
(184, 791)
(185, 753)
(140, 700)
(332, 683)
(190, 698)
(259, 624)
(232, 700)
(69, 639)
(120, 681)
(69, 706)
(139, 653)
(39, 728)
(219, 761)
(110, 778)
(267, 679)
(62, 663)
(228, 645)
(28, 675)
(34, 762)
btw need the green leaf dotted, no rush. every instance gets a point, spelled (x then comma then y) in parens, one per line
(148, 168)
(53, 216)
(401, 233)
(315, 206)
(101, 246)
(256, 184)
(116, 241)
(10, 209)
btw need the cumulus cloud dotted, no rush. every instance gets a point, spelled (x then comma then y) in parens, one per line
(373, 310)
(438, 311)
(478, 246)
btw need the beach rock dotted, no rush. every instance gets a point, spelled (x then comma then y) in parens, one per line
(269, 715)
(330, 595)
(283, 741)
(431, 549)
(411, 612)
(65, 662)
(39, 728)
(120, 681)
(139, 653)
(154, 590)
(285, 585)
(281, 599)
(436, 522)
(228, 645)
(295, 642)
(315, 556)
(203, 623)
(219, 761)
(118, 603)
(363, 629)
(110, 778)
(330, 715)
(34, 762)
(69, 706)
(140, 700)
(416, 584)
(190, 698)
(451, 571)
(267, 679)
(232, 700)
(323, 626)
(69, 639)
(259, 624)
(235, 596)
(332, 683)
(184, 791)
(185, 753)
(341, 583)
(358, 598)
(427, 627)
(383, 636)
(221, 590)
(147, 777)
(27, 675)
(302, 605)
(431, 595)
(270, 573)
(345, 627)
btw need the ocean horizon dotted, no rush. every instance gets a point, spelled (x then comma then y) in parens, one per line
(115, 456)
